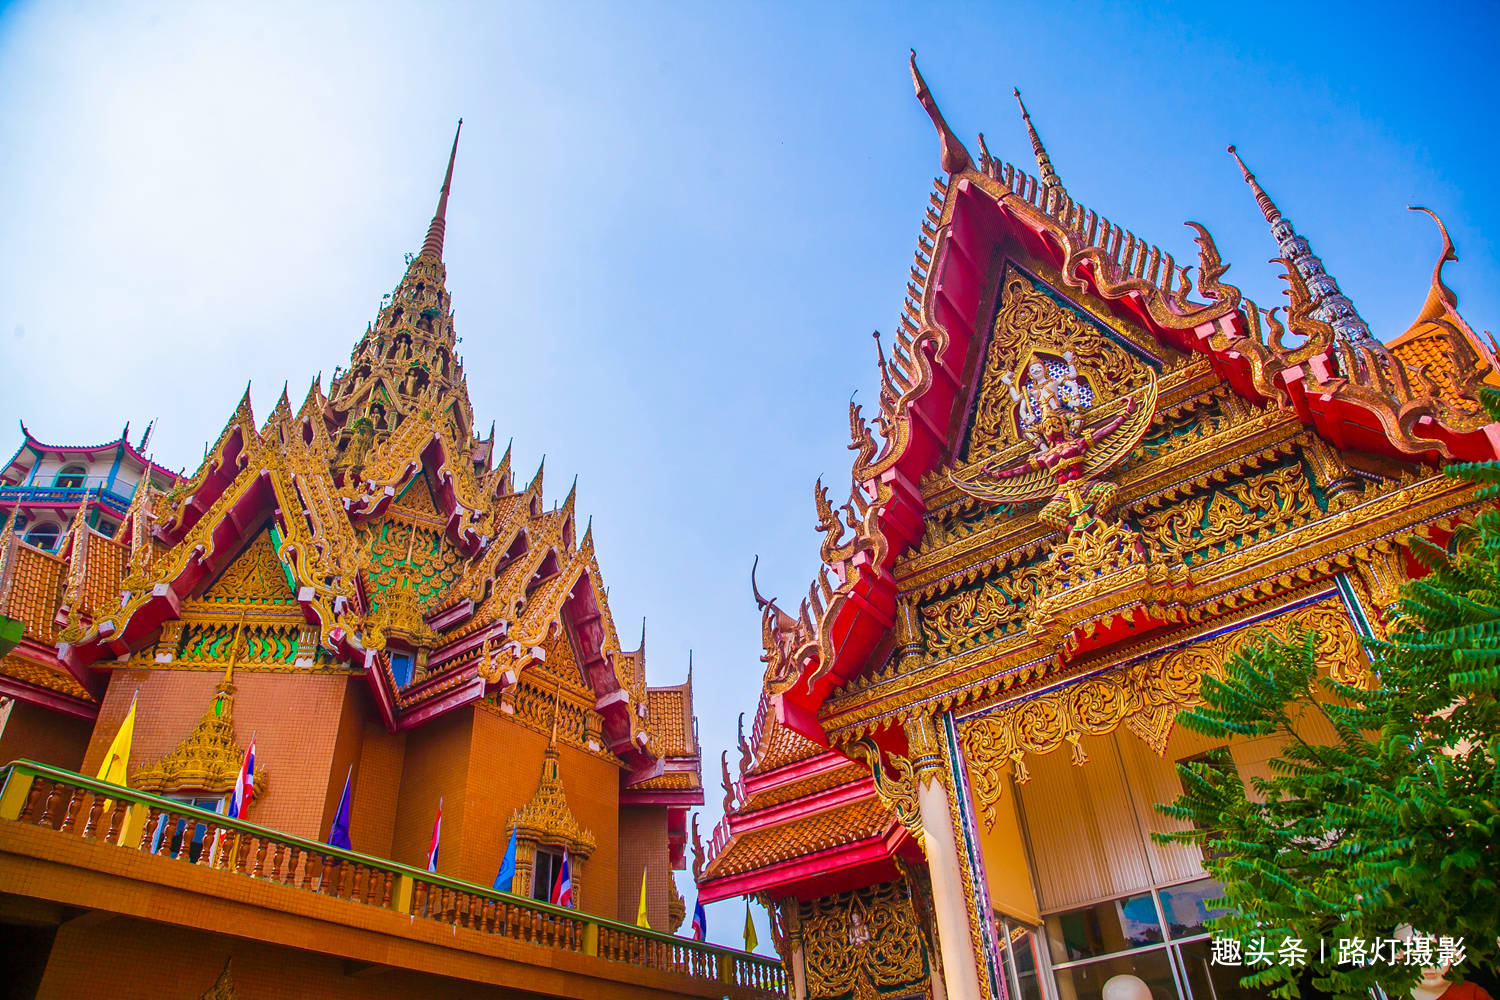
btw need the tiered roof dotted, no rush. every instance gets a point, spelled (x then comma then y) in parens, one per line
(347, 482)
(1340, 382)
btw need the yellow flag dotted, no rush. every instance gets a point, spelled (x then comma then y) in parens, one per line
(112, 769)
(640, 914)
(750, 939)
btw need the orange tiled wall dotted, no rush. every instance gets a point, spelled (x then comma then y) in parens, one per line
(643, 845)
(295, 718)
(436, 765)
(45, 737)
(382, 755)
(505, 767)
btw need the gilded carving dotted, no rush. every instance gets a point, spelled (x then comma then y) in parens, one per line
(862, 943)
(1144, 697)
(1254, 506)
(899, 793)
(1031, 326)
(208, 760)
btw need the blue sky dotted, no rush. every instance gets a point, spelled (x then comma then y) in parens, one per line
(673, 226)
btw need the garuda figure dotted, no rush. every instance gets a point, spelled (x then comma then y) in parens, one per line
(1067, 455)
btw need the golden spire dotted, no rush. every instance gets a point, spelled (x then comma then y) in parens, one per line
(1043, 161)
(433, 245)
(235, 648)
(1267, 206)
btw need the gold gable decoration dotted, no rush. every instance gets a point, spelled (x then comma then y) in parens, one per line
(546, 820)
(208, 760)
(1032, 327)
(256, 576)
(862, 944)
(1144, 697)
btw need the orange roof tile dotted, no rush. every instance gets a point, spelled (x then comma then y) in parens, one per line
(36, 587)
(671, 724)
(672, 781)
(42, 675)
(790, 792)
(810, 834)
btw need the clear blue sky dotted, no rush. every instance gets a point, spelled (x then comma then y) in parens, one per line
(673, 226)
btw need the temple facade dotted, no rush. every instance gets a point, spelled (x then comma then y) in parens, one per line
(361, 587)
(1089, 480)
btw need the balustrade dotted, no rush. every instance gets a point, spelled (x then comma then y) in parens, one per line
(44, 796)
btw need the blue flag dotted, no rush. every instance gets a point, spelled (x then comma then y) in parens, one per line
(505, 879)
(700, 922)
(338, 836)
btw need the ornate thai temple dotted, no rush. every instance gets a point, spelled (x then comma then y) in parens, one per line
(1090, 477)
(358, 586)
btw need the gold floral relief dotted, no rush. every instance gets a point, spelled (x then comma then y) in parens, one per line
(862, 943)
(1251, 506)
(256, 575)
(954, 623)
(1030, 322)
(1144, 697)
(401, 550)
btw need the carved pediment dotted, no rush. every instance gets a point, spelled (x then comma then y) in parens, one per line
(546, 819)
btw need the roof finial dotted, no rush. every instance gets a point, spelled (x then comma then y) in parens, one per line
(433, 245)
(1330, 304)
(955, 156)
(1043, 161)
(1267, 206)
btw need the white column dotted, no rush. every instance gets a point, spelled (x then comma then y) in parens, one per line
(960, 959)
(955, 943)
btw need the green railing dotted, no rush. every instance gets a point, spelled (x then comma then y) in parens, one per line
(76, 805)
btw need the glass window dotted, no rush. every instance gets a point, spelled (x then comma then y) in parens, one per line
(1086, 982)
(401, 668)
(1104, 928)
(1217, 982)
(1021, 944)
(44, 536)
(544, 873)
(70, 477)
(1186, 907)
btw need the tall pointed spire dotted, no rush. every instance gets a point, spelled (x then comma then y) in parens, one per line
(1043, 161)
(1330, 304)
(433, 245)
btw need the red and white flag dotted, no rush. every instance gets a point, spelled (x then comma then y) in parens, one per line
(437, 830)
(244, 785)
(562, 889)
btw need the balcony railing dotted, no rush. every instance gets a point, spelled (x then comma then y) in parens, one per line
(71, 495)
(78, 806)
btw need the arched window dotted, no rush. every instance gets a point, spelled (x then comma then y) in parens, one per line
(71, 477)
(44, 536)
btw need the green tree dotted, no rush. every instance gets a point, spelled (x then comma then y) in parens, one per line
(1397, 820)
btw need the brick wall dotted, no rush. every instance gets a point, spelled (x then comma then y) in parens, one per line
(295, 718)
(643, 845)
(44, 736)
